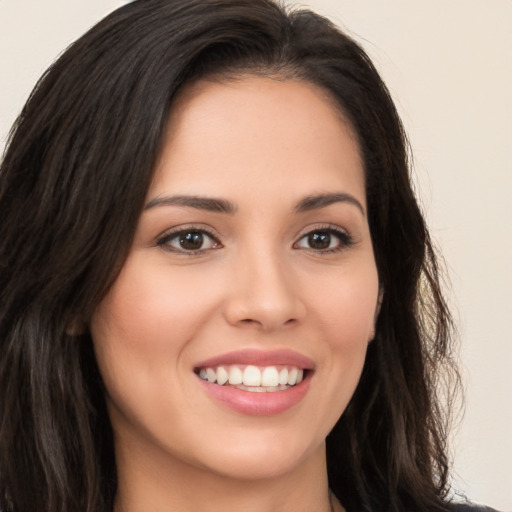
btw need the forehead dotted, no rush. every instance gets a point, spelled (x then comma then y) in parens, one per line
(255, 132)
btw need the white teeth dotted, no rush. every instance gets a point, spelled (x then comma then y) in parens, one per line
(235, 375)
(260, 389)
(292, 376)
(270, 377)
(222, 375)
(252, 378)
(253, 389)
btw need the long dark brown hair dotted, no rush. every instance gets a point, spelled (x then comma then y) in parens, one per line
(73, 180)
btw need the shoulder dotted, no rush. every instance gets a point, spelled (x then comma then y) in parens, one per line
(470, 507)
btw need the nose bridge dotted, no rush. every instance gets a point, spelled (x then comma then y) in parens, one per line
(263, 292)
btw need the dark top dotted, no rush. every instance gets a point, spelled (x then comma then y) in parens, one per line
(468, 507)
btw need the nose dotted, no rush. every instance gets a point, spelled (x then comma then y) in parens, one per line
(264, 294)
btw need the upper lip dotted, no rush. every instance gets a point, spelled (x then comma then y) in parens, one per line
(259, 358)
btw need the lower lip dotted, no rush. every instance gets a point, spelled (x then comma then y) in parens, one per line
(257, 404)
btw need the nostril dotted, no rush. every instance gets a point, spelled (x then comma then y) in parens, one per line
(249, 321)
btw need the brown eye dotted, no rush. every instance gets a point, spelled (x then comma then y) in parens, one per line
(191, 241)
(324, 240)
(187, 241)
(319, 240)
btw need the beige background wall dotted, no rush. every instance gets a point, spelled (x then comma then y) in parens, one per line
(449, 67)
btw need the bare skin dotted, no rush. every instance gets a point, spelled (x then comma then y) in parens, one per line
(254, 237)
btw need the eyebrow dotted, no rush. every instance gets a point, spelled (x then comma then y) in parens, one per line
(200, 203)
(312, 202)
(318, 201)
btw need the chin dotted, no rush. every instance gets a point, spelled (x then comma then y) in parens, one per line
(262, 457)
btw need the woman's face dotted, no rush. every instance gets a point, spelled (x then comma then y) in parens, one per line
(252, 265)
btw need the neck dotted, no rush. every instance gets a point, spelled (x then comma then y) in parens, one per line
(161, 483)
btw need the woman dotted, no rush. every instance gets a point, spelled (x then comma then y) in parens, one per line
(221, 293)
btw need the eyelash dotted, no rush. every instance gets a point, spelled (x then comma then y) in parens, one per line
(345, 240)
(164, 241)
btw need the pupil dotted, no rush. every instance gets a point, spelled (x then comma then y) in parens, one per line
(192, 240)
(319, 240)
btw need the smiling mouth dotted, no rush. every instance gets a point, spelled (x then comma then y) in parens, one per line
(253, 378)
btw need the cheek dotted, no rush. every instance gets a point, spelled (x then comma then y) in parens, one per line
(141, 333)
(151, 310)
(346, 310)
(344, 313)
